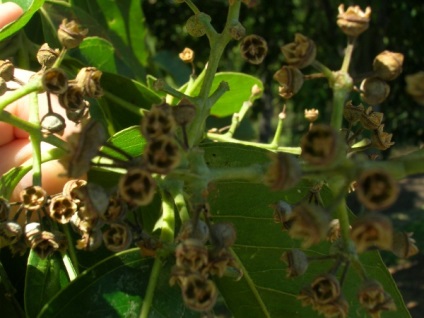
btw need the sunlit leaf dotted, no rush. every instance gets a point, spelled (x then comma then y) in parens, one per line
(99, 53)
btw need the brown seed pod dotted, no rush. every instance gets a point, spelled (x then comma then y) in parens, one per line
(184, 112)
(88, 78)
(137, 187)
(118, 237)
(381, 139)
(353, 113)
(388, 65)
(253, 48)
(376, 189)
(70, 35)
(374, 299)
(283, 172)
(353, 21)
(297, 262)
(70, 187)
(94, 201)
(187, 55)
(90, 241)
(33, 198)
(44, 244)
(7, 70)
(191, 254)
(10, 233)
(374, 90)
(290, 79)
(404, 245)
(116, 210)
(188, 229)
(54, 81)
(73, 98)
(46, 56)
(326, 289)
(199, 293)
(62, 208)
(158, 121)
(162, 154)
(300, 53)
(370, 119)
(415, 86)
(53, 123)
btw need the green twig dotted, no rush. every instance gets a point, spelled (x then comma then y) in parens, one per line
(35, 140)
(348, 54)
(71, 251)
(127, 105)
(70, 269)
(30, 87)
(279, 129)
(237, 118)
(192, 6)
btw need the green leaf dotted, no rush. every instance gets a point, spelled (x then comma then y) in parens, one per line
(240, 91)
(264, 290)
(115, 287)
(44, 279)
(29, 7)
(98, 52)
(129, 140)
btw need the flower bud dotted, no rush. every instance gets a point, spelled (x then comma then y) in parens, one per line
(253, 48)
(88, 78)
(46, 56)
(54, 81)
(381, 139)
(7, 70)
(118, 237)
(283, 172)
(290, 79)
(376, 189)
(374, 90)
(388, 65)
(321, 145)
(374, 299)
(187, 55)
(353, 21)
(53, 123)
(404, 245)
(297, 262)
(195, 25)
(137, 186)
(70, 35)
(300, 53)
(372, 231)
(415, 86)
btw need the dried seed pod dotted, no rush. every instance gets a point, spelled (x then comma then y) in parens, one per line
(321, 145)
(195, 25)
(283, 172)
(44, 244)
(31, 229)
(10, 232)
(188, 229)
(84, 147)
(53, 123)
(73, 98)
(191, 254)
(84, 225)
(253, 48)
(158, 121)
(137, 187)
(326, 289)
(353, 21)
(282, 212)
(370, 119)
(187, 55)
(116, 210)
(4, 209)
(33, 197)
(290, 79)
(69, 189)
(372, 231)
(54, 81)
(376, 189)
(7, 70)
(94, 201)
(221, 262)
(62, 208)
(3, 86)
(70, 35)
(334, 231)
(311, 115)
(88, 78)
(381, 139)
(222, 235)
(297, 262)
(374, 299)
(374, 90)
(415, 86)
(78, 116)
(388, 65)
(309, 223)
(118, 237)
(300, 53)
(184, 112)
(199, 293)
(404, 245)
(46, 56)
(162, 154)
(353, 113)
(90, 241)
(337, 308)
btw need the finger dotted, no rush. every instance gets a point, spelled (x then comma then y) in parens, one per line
(10, 11)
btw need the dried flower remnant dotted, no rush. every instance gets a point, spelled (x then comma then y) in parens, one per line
(311, 115)
(10, 232)
(158, 121)
(404, 245)
(370, 119)
(33, 198)
(381, 139)
(54, 81)
(46, 56)
(297, 262)
(253, 48)
(191, 254)
(388, 65)
(118, 237)
(223, 235)
(376, 189)
(374, 299)
(90, 241)
(352, 113)
(372, 231)
(44, 244)
(7, 70)
(187, 55)
(290, 79)
(162, 154)
(353, 21)
(137, 186)
(300, 53)
(199, 293)
(415, 86)
(62, 208)
(374, 90)
(88, 78)
(282, 212)
(70, 35)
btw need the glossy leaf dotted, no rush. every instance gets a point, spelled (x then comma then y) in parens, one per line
(264, 291)
(44, 279)
(115, 287)
(240, 90)
(98, 52)
(29, 7)
(129, 140)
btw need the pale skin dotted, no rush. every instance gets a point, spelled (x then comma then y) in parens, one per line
(15, 147)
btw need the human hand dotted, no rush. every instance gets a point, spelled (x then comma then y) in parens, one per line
(15, 147)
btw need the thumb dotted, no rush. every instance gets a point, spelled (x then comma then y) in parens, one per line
(10, 11)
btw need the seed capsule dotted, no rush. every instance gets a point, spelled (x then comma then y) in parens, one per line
(415, 86)
(70, 35)
(137, 187)
(88, 78)
(33, 198)
(353, 21)
(117, 237)
(54, 81)
(62, 208)
(290, 79)
(7, 70)
(162, 154)
(297, 262)
(388, 65)
(374, 298)
(253, 48)
(374, 90)
(46, 56)
(300, 53)
(53, 123)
